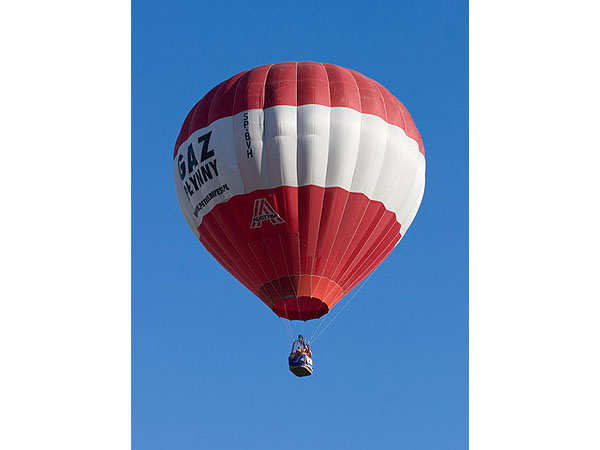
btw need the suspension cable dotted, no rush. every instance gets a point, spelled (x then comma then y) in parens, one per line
(340, 311)
(287, 327)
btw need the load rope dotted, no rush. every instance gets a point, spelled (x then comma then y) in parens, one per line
(312, 340)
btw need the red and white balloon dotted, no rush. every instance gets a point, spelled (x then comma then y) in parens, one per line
(299, 178)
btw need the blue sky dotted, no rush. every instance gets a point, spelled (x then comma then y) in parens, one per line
(209, 359)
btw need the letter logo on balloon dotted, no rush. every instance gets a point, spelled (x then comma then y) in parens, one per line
(264, 211)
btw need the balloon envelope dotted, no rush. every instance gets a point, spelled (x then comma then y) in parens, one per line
(299, 178)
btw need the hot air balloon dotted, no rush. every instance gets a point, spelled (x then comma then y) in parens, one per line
(299, 178)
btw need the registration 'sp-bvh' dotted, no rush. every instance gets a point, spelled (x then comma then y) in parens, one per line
(299, 178)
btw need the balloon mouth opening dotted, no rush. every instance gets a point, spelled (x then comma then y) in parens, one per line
(300, 308)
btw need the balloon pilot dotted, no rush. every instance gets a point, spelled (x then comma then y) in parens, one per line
(300, 359)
